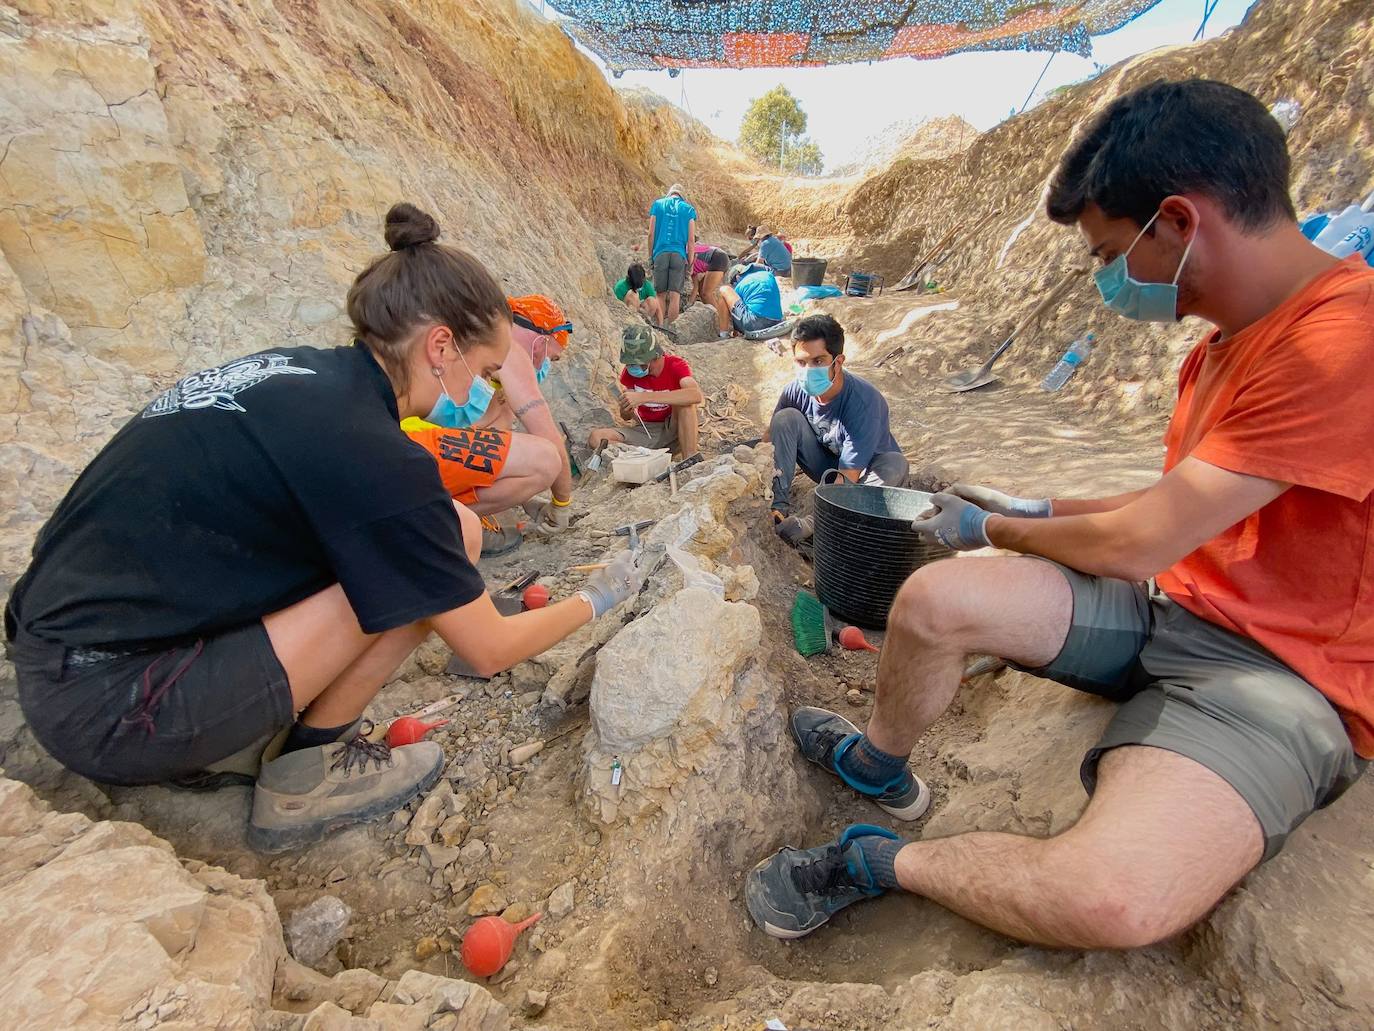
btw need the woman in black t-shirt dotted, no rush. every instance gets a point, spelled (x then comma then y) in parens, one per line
(258, 550)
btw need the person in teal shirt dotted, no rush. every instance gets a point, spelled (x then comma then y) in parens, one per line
(672, 237)
(636, 291)
(754, 299)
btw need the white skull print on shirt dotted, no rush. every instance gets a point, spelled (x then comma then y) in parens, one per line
(216, 387)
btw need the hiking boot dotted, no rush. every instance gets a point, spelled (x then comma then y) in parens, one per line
(498, 539)
(824, 737)
(308, 793)
(792, 893)
(241, 769)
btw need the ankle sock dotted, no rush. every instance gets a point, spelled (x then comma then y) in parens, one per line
(868, 764)
(881, 855)
(303, 736)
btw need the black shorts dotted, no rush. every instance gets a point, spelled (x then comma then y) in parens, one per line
(149, 716)
(717, 261)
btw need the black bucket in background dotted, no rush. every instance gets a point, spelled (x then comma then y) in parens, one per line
(865, 548)
(808, 271)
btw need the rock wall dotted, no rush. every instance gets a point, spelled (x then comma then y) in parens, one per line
(1315, 53)
(182, 182)
(105, 927)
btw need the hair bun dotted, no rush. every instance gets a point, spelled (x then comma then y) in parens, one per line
(408, 226)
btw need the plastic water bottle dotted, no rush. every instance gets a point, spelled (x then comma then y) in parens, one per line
(1074, 357)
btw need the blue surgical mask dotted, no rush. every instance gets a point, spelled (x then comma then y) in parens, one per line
(815, 381)
(1128, 296)
(453, 416)
(542, 373)
(637, 371)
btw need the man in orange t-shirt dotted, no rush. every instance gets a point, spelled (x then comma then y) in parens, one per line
(1245, 680)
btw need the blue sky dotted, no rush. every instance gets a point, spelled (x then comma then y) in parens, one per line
(848, 104)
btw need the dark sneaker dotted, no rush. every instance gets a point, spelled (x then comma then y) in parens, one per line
(824, 736)
(241, 769)
(795, 529)
(498, 539)
(309, 793)
(792, 893)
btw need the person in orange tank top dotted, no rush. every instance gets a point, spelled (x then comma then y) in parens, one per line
(1244, 676)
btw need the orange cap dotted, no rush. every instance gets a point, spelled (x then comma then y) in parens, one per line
(541, 314)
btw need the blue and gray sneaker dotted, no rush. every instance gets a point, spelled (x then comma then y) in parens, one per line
(824, 737)
(796, 890)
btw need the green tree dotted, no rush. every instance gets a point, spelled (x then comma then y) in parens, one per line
(771, 132)
(803, 158)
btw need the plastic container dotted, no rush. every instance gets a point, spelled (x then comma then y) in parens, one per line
(863, 284)
(640, 468)
(865, 549)
(808, 271)
(1075, 356)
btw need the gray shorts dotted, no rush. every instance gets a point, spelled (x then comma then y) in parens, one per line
(670, 271)
(145, 717)
(1192, 687)
(661, 434)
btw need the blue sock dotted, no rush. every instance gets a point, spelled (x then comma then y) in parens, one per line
(881, 855)
(870, 765)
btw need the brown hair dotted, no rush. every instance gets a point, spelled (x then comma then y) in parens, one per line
(420, 281)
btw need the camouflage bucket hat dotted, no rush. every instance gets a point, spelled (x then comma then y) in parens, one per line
(638, 346)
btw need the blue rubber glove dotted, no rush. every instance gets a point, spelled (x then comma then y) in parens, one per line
(953, 523)
(997, 503)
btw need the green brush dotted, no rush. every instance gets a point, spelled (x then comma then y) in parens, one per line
(808, 625)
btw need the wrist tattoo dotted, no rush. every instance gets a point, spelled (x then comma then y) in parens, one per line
(528, 406)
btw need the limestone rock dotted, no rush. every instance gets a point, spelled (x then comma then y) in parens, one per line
(487, 898)
(562, 900)
(524, 753)
(429, 815)
(454, 829)
(312, 931)
(430, 995)
(534, 1002)
(662, 668)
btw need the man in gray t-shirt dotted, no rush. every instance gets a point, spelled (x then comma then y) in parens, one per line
(828, 421)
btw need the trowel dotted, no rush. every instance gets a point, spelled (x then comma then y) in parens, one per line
(982, 376)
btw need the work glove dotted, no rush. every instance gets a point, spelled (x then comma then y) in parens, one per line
(553, 518)
(997, 503)
(954, 523)
(619, 581)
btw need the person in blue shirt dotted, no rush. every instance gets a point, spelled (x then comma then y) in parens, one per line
(672, 236)
(774, 253)
(753, 298)
(830, 422)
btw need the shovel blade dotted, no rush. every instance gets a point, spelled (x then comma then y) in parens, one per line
(962, 381)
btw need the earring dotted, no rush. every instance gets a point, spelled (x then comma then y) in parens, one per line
(436, 370)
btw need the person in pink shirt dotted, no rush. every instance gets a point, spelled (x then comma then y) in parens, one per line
(709, 265)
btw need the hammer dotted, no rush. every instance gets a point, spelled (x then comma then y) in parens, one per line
(632, 531)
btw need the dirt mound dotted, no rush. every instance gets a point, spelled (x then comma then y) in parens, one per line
(918, 138)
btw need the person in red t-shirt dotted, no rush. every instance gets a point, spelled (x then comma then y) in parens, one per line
(1245, 679)
(659, 401)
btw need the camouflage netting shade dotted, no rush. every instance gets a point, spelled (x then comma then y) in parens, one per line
(631, 34)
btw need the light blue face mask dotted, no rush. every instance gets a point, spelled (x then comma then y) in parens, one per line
(815, 381)
(637, 371)
(450, 415)
(542, 373)
(1128, 296)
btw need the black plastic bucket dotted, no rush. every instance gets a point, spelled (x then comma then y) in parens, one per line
(865, 549)
(808, 271)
